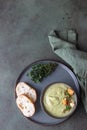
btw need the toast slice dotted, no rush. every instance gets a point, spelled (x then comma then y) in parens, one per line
(26, 106)
(24, 88)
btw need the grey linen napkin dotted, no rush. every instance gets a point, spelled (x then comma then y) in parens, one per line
(64, 44)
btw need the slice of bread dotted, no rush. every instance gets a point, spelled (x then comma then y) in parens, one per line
(26, 106)
(24, 88)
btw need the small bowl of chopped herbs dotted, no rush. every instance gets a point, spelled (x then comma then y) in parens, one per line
(59, 100)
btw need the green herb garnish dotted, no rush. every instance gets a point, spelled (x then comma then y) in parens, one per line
(68, 107)
(40, 71)
(67, 94)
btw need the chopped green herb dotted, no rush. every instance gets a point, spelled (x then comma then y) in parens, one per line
(68, 108)
(40, 71)
(67, 94)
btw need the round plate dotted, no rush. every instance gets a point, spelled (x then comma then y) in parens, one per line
(61, 74)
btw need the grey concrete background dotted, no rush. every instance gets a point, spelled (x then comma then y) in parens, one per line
(24, 27)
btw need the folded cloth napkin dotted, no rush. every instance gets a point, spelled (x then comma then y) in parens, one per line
(64, 44)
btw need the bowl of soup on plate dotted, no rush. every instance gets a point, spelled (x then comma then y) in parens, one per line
(59, 100)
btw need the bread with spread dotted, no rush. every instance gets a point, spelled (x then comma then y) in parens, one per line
(26, 106)
(26, 98)
(24, 88)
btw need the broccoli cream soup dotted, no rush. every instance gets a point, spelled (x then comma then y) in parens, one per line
(59, 99)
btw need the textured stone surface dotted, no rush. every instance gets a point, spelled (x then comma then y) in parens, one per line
(24, 27)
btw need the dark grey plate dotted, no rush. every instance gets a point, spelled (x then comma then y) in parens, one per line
(61, 74)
